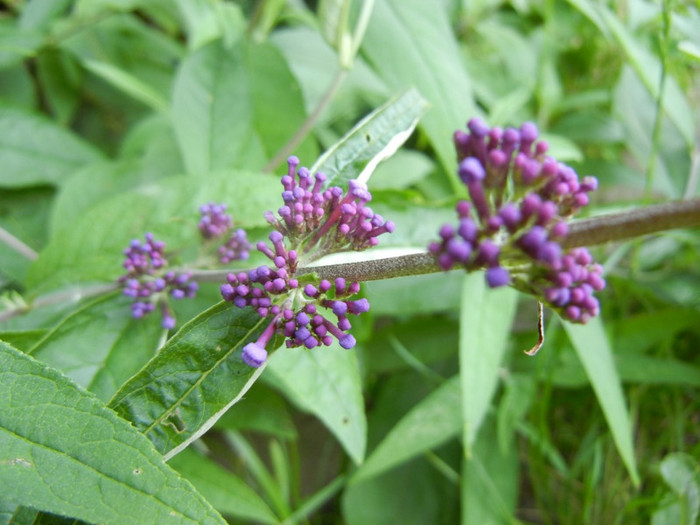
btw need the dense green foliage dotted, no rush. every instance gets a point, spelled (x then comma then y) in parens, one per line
(119, 117)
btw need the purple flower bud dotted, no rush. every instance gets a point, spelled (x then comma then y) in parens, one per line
(471, 170)
(497, 276)
(254, 355)
(347, 341)
(478, 127)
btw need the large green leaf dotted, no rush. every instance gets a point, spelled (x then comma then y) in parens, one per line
(100, 345)
(193, 379)
(593, 349)
(62, 451)
(327, 383)
(235, 107)
(430, 423)
(410, 43)
(36, 151)
(485, 319)
(373, 139)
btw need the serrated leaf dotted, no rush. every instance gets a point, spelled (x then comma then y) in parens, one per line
(371, 140)
(593, 349)
(432, 422)
(485, 319)
(100, 345)
(34, 150)
(193, 379)
(63, 451)
(228, 113)
(325, 382)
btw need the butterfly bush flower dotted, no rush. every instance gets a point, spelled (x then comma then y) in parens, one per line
(513, 227)
(313, 221)
(215, 223)
(148, 284)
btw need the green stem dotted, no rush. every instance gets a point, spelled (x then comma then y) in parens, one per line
(14, 243)
(308, 124)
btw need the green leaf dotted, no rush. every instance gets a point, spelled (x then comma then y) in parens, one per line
(206, 21)
(333, 17)
(490, 480)
(646, 65)
(423, 53)
(432, 422)
(264, 411)
(682, 507)
(128, 84)
(40, 13)
(35, 151)
(22, 339)
(485, 319)
(412, 494)
(193, 379)
(16, 44)
(229, 494)
(61, 79)
(62, 451)
(229, 111)
(593, 349)
(100, 345)
(325, 382)
(373, 139)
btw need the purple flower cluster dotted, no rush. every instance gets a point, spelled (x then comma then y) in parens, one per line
(146, 283)
(215, 222)
(326, 219)
(315, 221)
(513, 227)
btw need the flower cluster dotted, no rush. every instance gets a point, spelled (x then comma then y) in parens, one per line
(516, 220)
(326, 220)
(215, 222)
(314, 221)
(147, 284)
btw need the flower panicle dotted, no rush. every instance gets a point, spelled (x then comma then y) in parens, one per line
(149, 284)
(328, 219)
(313, 220)
(516, 219)
(216, 223)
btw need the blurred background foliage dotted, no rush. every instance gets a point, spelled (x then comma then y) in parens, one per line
(122, 116)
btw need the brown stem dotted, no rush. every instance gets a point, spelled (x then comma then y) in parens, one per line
(633, 223)
(588, 232)
(305, 128)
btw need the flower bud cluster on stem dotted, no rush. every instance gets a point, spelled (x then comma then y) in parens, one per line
(148, 284)
(313, 221)
(516, 221)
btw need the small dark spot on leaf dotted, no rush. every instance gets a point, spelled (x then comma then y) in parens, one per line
(368, 137)
(346, 420)
(174, 420)
(137, 471)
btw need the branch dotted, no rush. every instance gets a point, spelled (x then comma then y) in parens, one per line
(587, 232)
